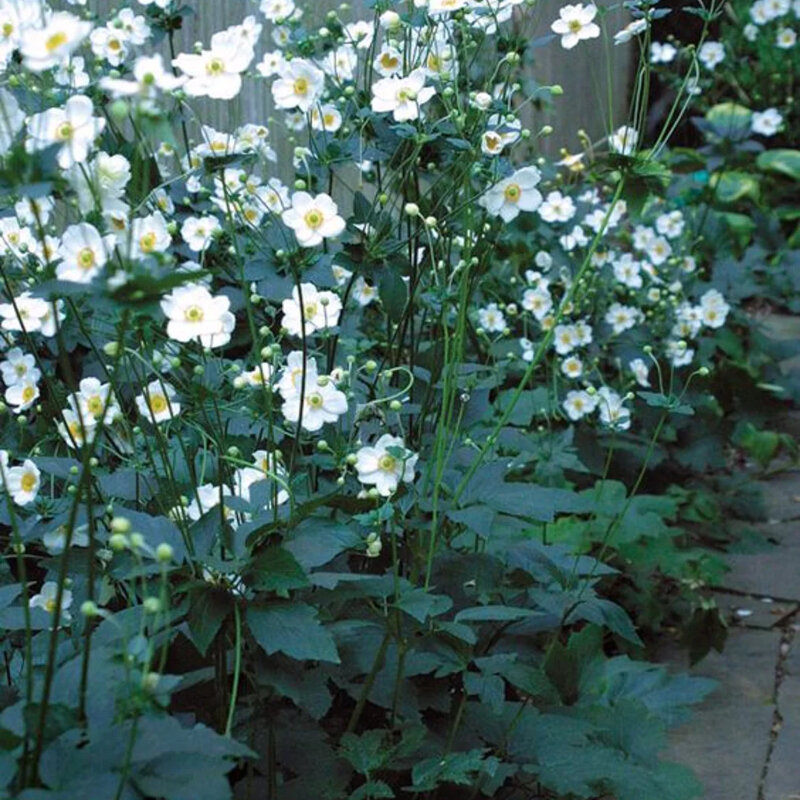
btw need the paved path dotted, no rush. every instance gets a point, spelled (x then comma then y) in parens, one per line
(744, 741)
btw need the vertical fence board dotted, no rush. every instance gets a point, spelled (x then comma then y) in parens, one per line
(583, 72)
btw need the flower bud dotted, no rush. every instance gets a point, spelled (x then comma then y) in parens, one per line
(164, 553)
(120, 525)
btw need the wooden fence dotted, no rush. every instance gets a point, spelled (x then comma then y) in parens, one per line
(587, 73)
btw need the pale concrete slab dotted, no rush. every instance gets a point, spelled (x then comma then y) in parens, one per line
(754, 612)
(782, 327)
(783, 774)
(727, 741)
(782, 496)
(772, 573)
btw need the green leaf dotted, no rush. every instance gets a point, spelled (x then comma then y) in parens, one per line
(458, 768)
(293, 629)
(317, 541)
(208, 609)
(733, 186)
(393, 293)
(372, 789)
(420, 604)
(276, 570)
(784, 162)
(730, 121)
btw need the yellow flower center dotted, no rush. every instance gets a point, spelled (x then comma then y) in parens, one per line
(193, 314)
(314, 218)
(94, 405)
(86, 258)
(215, 67)
(388, 61)
(405, 94)
(300, 87)
(8, 29)
(147, 242)
(310, 310)
(20, 369)
(55, 41)
(315, 400)
(512, 193)
(50, 605)
(28, 482)
(386, 463)
(575, 25)
(28, 393)
(64, 131)
(158, 403)
(115, 44)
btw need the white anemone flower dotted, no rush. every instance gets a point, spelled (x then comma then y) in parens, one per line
(19, 367)
(47, 598)
(322, 402)
(385, 464)
(51, 44)
(300, 85)
(216, 73)
(83, 253)
(313, 218)
(74, 127)
(157, 403)
(575, 24)
(516, 193)
(23, 482)
(194, 314)
(319, 310)
(403, 97)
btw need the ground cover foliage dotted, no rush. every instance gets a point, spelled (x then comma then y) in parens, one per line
(371, 475)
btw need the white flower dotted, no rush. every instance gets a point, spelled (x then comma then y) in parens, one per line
(216, 73)
(51, 44)
(83, 253)
(47, 598)
(678, 353)
(363, 293)
(538, 301)
(445, 6)
(612, 412)
(291, 379)
(12, 118)
(662, 53)
(565, 339)
(74, 127)
(658, 250)
(671, 224)
(711, 54)
(491, 319)
(572, 367)
(714, 309)
(630, 30)
(628, 271)
(326, 118)
(341, 63)
(149, 235)
(109, 43)
(767, 122)
(785, 39)
(103, 180)
(76, 430)
(198, 232)
(403, 97)
(641, 372)
(271, 64)
(320, 310)
(514, 194)
(385, 464)
(557, 208)
(21, 396)
(22, 483)
(258, 376)
(360, 34)
(388, 62)
(575, 24)
(19, 367)
(750, 32)
(157, 402)
(621, 318)
(150, 76)
(624, 140)
(579, 403)
(276, 10)
(30, 314)
(90, 402)
(322, 402)
(300, 85)
(313, 218)
(194, 314)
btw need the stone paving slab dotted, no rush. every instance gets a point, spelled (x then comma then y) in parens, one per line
(754, 612)
(727, 740)
(772, 573)
(783, 774)
(782, 496)
(782, 327)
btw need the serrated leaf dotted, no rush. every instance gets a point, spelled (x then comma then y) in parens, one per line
(276, 569)
(293, 629)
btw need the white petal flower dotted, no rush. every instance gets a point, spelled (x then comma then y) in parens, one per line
(514, 194)
(313, 218)
(23, 483)
(403, 97)
(385, 464)
(195, 315)
(320, 310)
(575, 24)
